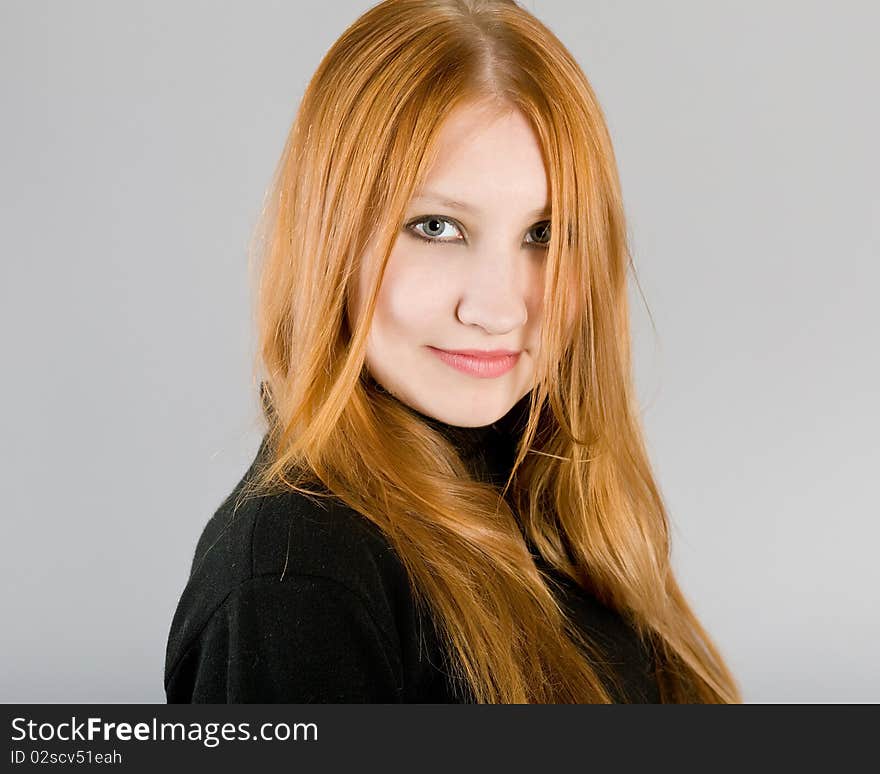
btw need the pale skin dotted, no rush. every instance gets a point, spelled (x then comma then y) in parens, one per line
(466, 271)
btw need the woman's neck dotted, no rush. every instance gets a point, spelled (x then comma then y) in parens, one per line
(489, 450)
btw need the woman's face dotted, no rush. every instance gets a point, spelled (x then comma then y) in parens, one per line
(466, 273)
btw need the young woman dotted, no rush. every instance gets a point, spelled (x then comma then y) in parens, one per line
(452, 501)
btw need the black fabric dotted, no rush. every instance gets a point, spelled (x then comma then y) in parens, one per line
(297, 601)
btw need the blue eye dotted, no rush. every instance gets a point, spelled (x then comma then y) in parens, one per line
(434, 228)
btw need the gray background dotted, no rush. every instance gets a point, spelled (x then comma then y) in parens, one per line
(137, 141)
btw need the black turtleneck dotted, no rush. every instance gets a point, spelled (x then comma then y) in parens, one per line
(295, 601)
(489, 451)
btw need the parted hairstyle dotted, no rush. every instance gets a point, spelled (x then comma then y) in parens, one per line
(582, 488)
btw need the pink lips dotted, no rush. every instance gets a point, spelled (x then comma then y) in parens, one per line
(484, 364)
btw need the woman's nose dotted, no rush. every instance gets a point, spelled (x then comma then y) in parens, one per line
(493, 296)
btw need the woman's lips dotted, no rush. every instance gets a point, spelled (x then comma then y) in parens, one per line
(483, 366)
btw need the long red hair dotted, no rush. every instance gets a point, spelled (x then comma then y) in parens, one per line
(582, 486)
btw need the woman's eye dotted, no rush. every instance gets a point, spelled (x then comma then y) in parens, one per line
(433, 229)
(542, 233)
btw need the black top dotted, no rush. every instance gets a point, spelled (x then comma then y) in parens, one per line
(296, 602)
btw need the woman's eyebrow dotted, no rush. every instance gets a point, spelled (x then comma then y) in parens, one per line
(446, 201)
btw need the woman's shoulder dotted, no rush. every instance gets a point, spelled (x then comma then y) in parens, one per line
(286, 533)
(306, 553)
